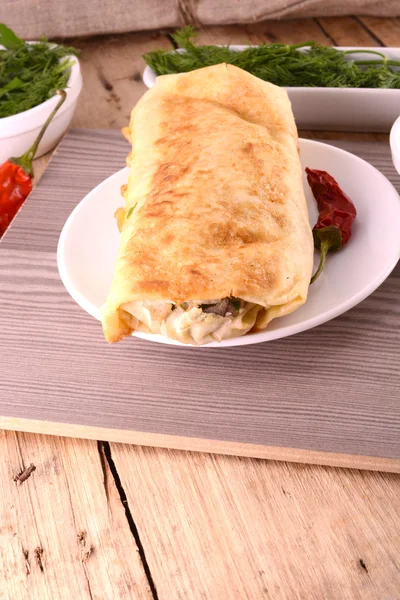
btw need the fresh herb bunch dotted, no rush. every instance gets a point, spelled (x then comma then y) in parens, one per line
(30, 73)
(287, 65)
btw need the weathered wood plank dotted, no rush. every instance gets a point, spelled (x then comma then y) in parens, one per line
(346, 31)
(386, 31)
(290, 31)
(218, 527)
(112, 68)
(63, 531)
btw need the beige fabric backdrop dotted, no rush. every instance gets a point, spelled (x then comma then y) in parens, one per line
(68, 18)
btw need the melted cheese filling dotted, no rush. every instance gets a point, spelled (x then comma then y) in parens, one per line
(191, 325)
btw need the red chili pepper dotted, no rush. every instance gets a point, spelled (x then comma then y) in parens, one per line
(16, 176)
(336, 215)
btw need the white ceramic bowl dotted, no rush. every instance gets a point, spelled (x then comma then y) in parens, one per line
(18, 132)
(395, 144)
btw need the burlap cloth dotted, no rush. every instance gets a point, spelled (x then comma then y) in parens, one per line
(69, 18)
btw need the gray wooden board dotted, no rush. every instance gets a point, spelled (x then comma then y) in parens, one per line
(333, 389)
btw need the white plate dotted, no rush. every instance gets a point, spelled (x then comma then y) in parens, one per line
(89, 242)
(345, 109)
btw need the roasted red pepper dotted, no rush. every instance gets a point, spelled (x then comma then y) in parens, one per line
(16, 176)
(336, 215)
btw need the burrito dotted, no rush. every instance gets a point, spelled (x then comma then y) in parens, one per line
(215, 236)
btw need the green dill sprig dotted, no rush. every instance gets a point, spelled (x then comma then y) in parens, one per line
(30, 73)
(287, 65)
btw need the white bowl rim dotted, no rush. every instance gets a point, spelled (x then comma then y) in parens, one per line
(74, 84)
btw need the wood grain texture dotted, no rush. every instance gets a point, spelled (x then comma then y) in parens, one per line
(385, 31)
(230, 448)
(63, 531)
(291, 31)
(68, 374)
(249, 530)
(346, 31)
(112, 68)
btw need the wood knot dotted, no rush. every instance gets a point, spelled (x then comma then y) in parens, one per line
(363, 565)
(86, 550)
(24, 474)
(38, 553)
(26, 560)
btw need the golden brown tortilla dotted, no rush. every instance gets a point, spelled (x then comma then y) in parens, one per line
(215, 209)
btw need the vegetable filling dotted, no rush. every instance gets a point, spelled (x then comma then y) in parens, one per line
(199, 322)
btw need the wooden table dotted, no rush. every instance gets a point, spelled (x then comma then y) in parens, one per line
(106, 521)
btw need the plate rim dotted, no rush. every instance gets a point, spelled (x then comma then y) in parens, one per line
(254, 338)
